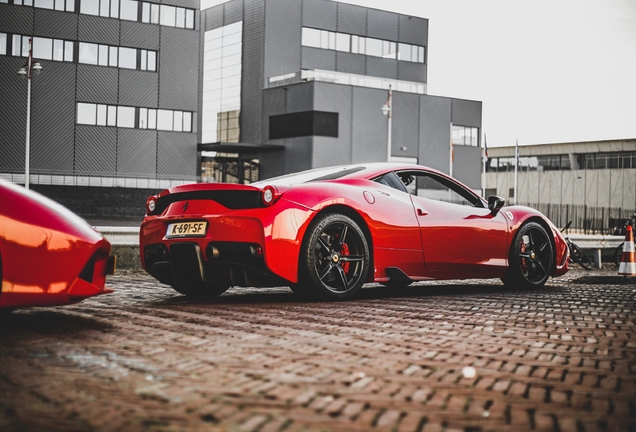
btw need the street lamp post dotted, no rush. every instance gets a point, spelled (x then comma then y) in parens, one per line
(27, 70)
(387, 111)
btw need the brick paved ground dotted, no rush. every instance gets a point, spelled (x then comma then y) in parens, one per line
(144, 358)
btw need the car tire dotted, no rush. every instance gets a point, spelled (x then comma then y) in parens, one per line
(334, 259)
(201, 291)
(531, 258)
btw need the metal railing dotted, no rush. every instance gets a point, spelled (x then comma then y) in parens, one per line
(585, 220)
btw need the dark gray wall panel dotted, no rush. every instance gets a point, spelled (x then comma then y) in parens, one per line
(316, 58)
(320, 14)
(466, 113)
(352, 19)
(298, 154)
(97, 84)
(140, 35)
(274, 102)
(385, 68)
(212, 18)
(467, 165)
(13, 111)
(178, 69)
(408, 71)
(271, 165)
(137, 152)
(54, 24)
(435, 115)
(53, 118)
(138, 88)
(98, 29)
(232, 12)
(95, 150)
(405, 124)
(252, 71)
(282, 37)
(328, 150)
(369, 125)
(413, 30)
(351, 63)
(16, 19)
(177, 155)
(300, 97)
(382, 25)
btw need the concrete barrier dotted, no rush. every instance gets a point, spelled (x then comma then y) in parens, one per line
(125, 242)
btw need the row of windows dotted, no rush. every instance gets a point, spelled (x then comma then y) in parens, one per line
(130, 10)
(586, 161)
(127, 58)
(325, 39)
(133, 117)
(463, 135)
(89, 53)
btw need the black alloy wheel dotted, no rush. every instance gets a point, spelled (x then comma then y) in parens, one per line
(334, 260)
(531, 258)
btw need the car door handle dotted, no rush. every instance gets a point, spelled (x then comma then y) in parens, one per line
(421, 212)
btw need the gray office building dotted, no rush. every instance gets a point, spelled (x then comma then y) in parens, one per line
(143, 95)
(301, 84)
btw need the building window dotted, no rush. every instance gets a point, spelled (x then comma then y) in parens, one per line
(324, 39)
(307, 123)
(463, 135)
(171, 16)
(124, 117)
(126, 58)
(60, 5)
(222, 84)
(43, 48)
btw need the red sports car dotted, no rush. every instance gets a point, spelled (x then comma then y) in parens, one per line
(326, 232)
(48, 255)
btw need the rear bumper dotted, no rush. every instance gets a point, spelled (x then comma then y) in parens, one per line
(225, 263)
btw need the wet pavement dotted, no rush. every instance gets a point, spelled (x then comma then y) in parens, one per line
(453, 355)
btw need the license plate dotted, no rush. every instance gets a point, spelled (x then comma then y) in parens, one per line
(187, 229)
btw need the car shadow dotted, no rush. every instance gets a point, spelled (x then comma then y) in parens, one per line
(238, 295)
(44, 321)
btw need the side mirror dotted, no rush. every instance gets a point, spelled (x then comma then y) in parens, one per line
(495, 203)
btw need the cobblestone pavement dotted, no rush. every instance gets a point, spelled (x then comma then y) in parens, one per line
(560, 359)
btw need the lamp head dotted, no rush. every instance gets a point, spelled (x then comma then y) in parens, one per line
(22, 71)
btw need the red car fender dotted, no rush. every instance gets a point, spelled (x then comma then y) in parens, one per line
(518, 215)
(43, 250)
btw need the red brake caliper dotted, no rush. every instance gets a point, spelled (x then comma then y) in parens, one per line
(345, 251)
(524, 264)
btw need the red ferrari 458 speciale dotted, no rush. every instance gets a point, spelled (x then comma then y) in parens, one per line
(325, 232)
(48, 255)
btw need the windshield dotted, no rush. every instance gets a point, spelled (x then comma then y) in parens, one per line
(318, 174)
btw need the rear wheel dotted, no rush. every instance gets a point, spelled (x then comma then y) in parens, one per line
(334, 260)
(531, 258)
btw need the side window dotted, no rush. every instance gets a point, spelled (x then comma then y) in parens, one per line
(391, 180)
(431, 186)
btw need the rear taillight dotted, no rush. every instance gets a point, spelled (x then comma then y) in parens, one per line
(269, 195)
(151, 204)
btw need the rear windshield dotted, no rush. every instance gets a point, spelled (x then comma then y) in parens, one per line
(318, 174)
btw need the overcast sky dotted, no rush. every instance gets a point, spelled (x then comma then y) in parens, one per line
(547, 71)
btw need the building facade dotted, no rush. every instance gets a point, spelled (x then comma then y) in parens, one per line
(299, 84)
(136, 96)
(592, 183)
(116, 102)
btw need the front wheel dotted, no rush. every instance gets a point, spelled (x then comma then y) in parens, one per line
(334, 260)
(531, 258)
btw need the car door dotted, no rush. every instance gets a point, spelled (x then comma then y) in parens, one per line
(457, 229)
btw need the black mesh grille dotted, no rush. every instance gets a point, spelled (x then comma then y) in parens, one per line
(231, 199)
